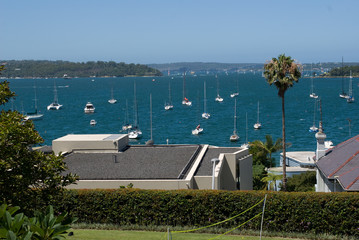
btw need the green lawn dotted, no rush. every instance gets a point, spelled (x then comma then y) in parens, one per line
(89, 234)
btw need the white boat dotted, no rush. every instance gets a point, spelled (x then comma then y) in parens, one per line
(93, 122)
(197, 130)
(169, 105)
(205, 114)
(312, 94)
(234, 137)
(34, 115)
(133, 135)
(89, 108)
(55, 104)
(66, 76)
(257, 125)
(112, 100)
(350, 98)
(135, 132)
(218, 98)
(185, 100)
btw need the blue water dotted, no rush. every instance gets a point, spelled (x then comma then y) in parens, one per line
(176, 125)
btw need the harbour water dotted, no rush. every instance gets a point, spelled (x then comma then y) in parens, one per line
(175, 126)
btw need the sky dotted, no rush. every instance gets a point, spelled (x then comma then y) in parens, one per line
(168, 31)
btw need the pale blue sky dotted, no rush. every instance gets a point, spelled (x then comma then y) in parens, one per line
(163, 31)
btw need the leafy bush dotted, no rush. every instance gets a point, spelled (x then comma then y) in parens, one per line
(304, 182)
(41, 227)
(318, 213)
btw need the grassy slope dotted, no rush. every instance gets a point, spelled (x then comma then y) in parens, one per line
(86, 234)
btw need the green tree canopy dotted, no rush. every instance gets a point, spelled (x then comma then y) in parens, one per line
(24, 171)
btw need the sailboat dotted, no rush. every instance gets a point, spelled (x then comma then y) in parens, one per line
(350, 98)
(205, 114)
(54, 105)
(312, 94)
(185, 100)
(343, 94)
(126, 125)
(150, 141)
(112, 100)
(169, 106)
(34, 115)
(257, 125)
(314, 128)
(234, 137)
(235, 94)
(135, 133)
(218, 98)
(197, 130)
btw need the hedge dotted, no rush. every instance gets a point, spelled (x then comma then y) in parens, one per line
(318, 213)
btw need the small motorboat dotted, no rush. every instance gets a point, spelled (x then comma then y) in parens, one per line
(89, 108)
(93, 122)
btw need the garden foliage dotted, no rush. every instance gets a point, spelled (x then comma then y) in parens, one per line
(318, 213)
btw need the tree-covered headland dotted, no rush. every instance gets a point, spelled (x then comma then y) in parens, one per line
(57, 69)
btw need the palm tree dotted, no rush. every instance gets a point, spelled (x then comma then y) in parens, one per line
(267, 147)
(282, 72)
(272, 179)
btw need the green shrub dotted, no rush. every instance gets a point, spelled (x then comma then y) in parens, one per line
(318, 213)
(41, 227)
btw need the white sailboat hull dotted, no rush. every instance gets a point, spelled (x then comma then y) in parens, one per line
(54, 106)
(197, 131)
(206, 115)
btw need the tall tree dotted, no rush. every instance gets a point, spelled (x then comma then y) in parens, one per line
(283, 73)
(267, 148)
(24, 171)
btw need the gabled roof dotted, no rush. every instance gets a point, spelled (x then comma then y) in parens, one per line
(342, 163)
(136, 162)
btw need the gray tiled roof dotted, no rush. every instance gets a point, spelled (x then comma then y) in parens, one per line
(206, 166)
(136, 162)
(343, 162)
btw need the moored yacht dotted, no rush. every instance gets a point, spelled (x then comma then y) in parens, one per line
(89, 108)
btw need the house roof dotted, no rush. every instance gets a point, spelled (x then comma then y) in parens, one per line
(342, 163)
(136, 162)
(206, 166)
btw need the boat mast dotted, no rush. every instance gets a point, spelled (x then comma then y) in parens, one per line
(205, 97)
(343, 76)
(235, 117)
(55, 93)
(35, 99)
(258, 113)
(135, 105)
(169, 92)
(151, 114)
(184, 84)
(246, 128)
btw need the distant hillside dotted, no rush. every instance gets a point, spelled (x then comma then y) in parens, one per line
(33, 68)
(345, 71)
(198, 67)
(212, 67)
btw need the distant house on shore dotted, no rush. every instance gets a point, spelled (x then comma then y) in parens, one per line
(108, 161)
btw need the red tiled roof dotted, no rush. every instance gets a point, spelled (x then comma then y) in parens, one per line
(342, 162)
